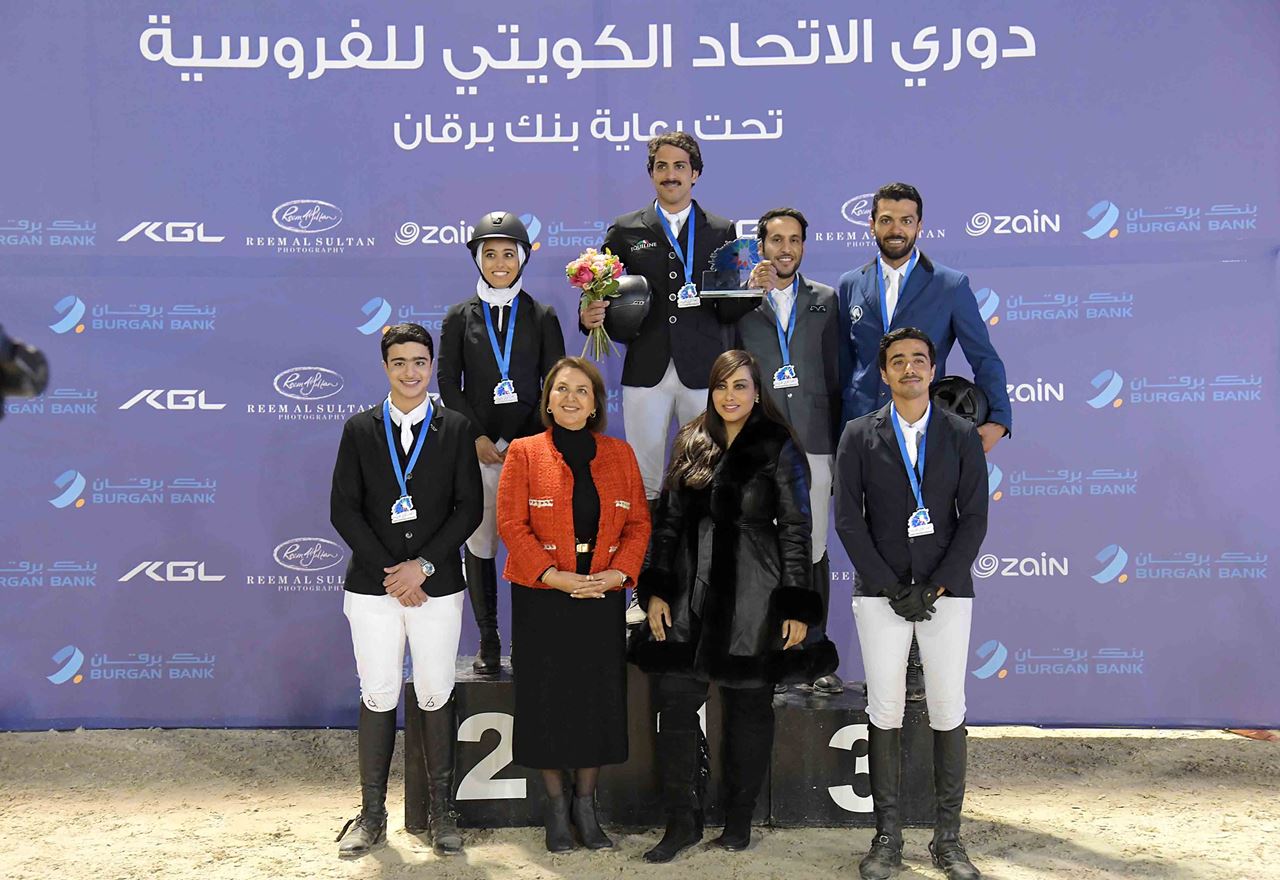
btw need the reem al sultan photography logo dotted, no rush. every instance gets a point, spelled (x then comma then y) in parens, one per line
(303, 565)
(306, 394)
(309, 228)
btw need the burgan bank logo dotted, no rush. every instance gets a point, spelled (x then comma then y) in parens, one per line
(1108, 384)
(1105, 215)
(995, 654)
(308, 383)
(71, 659)
(72, 484)
(376, 311)
(995, 477)
(1113, 559)
(71, 308)
(988, 302)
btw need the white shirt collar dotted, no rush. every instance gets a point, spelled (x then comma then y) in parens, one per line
(901, 270)
(676, 220)
(918, 424)
(415, 415)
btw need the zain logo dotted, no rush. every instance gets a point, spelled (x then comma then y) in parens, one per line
(378, 310)
(986, 565)
(308, 383)
(858, 209)
(995, 654)
(988, 302)
(71, 659)
(1113, 559)
(72, 483)
(1108, 383)
(308, 554)
(1106, 213)
(72, 310)
(534, 225)
(979, 224)
(995, 477)
(307, 216)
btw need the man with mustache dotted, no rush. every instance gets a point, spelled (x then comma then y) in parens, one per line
(670, 242)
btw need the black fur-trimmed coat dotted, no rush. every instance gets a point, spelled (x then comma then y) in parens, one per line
(733, 562)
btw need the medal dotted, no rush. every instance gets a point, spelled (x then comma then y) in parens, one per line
(687, 297)
(504, 391)
(919, 523)
(785, 376)
(403, 510)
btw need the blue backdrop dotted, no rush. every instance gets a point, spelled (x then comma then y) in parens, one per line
(210, 211)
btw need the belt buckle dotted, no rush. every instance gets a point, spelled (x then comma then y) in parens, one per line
(583, 548)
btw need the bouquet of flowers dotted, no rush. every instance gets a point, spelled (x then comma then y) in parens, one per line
(596, 275)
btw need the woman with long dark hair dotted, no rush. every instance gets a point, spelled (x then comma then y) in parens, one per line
(728, 595)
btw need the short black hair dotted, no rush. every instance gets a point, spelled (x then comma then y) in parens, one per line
(905, 333)
(762, 228)
(681, 140)
(894, 192)
(400, 333)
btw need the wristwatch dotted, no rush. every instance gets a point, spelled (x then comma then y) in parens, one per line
(427, 568)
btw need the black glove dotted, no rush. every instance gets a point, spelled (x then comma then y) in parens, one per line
(915, 603)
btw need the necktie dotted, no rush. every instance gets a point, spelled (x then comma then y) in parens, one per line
(891, 293)
(406, 434)
(782, 307)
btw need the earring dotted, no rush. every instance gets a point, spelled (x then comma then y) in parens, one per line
(548, 410)
(757, 398)
(593, 414)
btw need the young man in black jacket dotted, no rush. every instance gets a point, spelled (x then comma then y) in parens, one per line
(406, 495)
(911, 509)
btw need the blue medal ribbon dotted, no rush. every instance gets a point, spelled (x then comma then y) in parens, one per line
(916, 479)
(417, 447)
(503, 356)
(784, 338)
(686, 260)
(902, 287)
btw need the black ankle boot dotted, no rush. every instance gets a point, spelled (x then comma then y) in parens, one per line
(885, 758)
(555, 816)
(375, 741)
(684, 829)
(737, 831)
(482, 585)
(950, 757)
(439, 736)
(587, 823)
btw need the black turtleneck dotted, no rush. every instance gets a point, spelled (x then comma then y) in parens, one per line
(578, 449)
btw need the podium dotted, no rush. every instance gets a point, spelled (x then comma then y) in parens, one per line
(818, 774)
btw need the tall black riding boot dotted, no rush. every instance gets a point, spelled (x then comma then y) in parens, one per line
(950, 755)
(748, 744)
(482, 585)
(438, 741)
(677, 754)
(375, 741)
(884, 749)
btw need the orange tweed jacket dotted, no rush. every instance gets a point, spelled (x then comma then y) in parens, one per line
(535, 510)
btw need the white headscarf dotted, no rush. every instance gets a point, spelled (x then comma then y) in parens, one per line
(500, 297)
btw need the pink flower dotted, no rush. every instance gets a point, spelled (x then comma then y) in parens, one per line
(583, 276)
(617, 269)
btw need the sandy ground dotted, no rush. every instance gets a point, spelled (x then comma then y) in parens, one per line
(220, 805)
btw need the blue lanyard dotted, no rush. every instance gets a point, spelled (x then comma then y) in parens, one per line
(915, 479)
(417, 447)
(685, 259)
(902, 286)
(784, 339)
(503, 357)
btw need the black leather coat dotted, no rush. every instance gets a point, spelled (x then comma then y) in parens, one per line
(733, 562)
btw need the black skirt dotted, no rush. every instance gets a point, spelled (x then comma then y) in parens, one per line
(569, 660)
